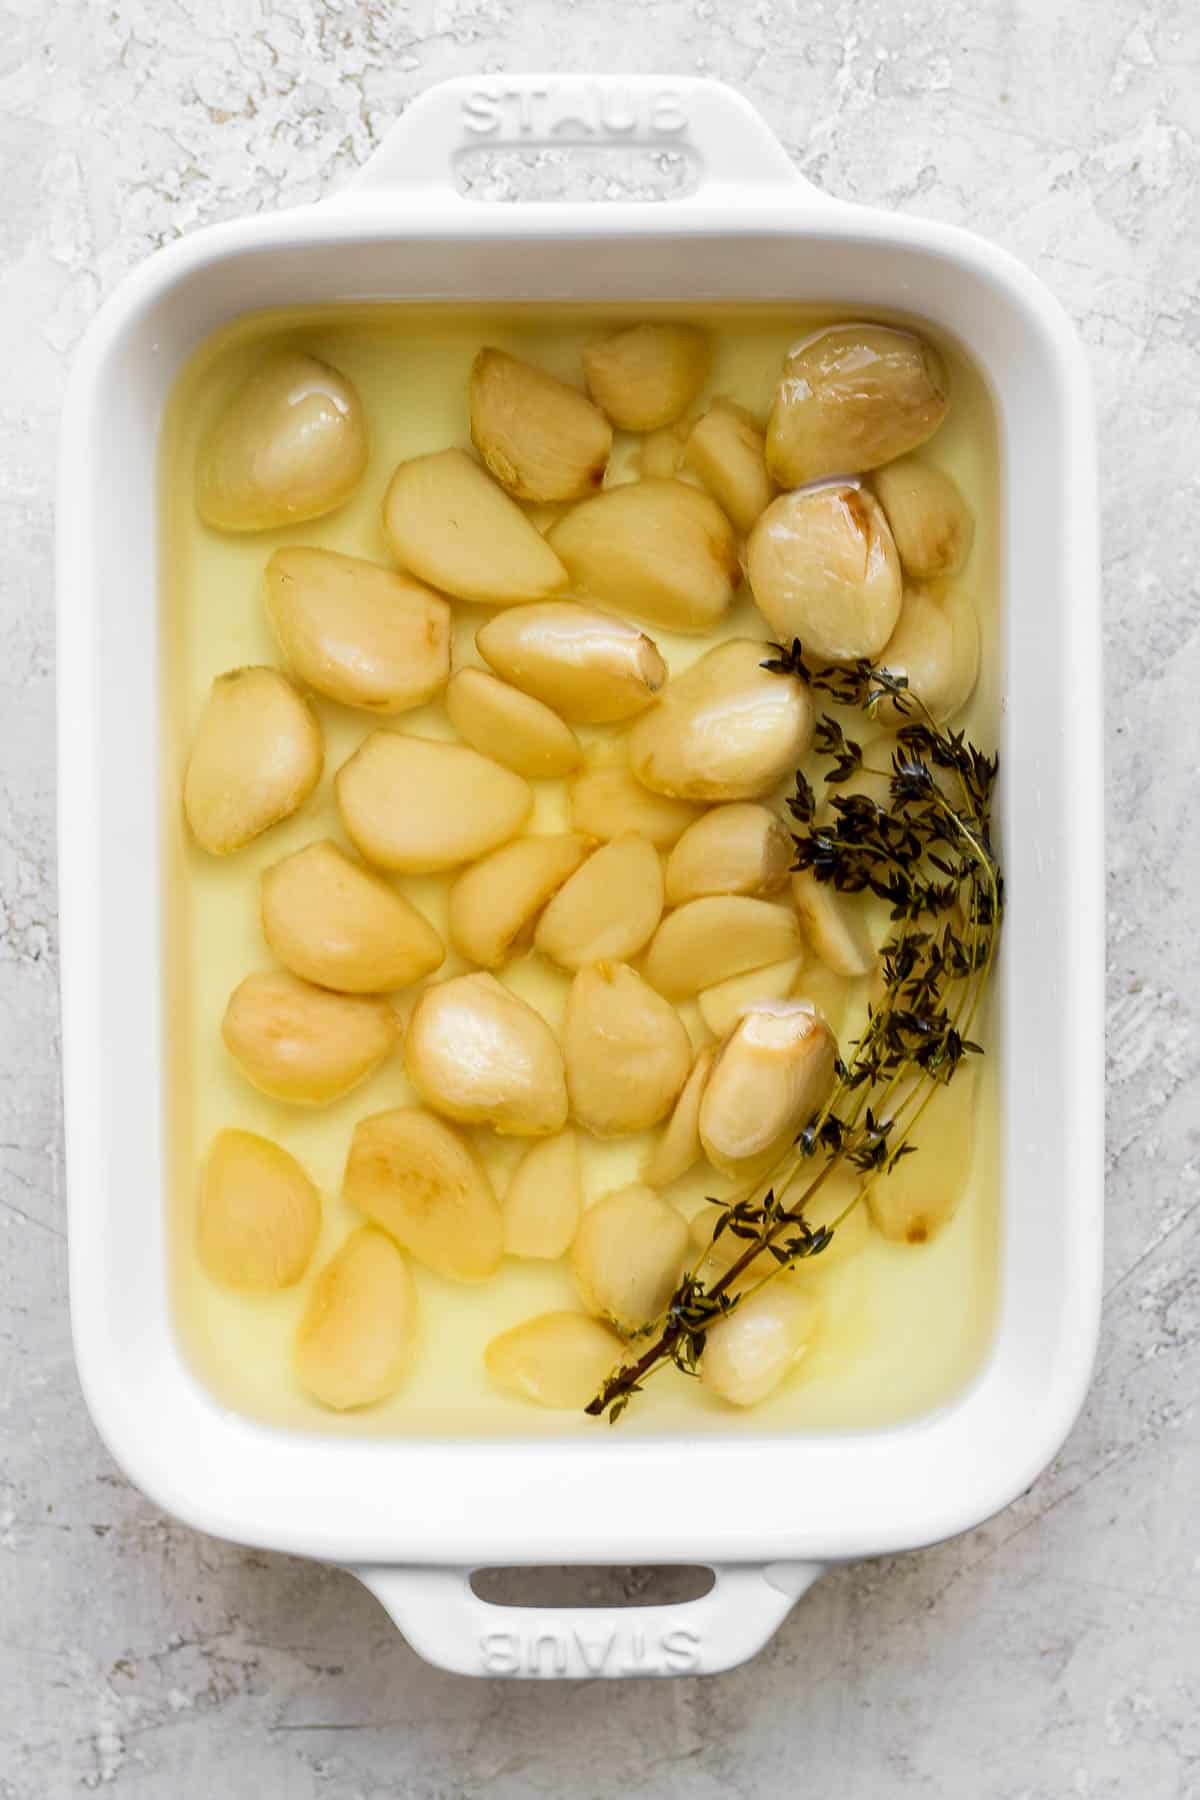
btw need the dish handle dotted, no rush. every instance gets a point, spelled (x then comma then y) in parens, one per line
(446, 1622)
(730, 144)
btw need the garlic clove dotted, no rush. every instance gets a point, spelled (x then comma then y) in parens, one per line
(541, 439)
(609, 802)
(930, 521)
(921, 1193)
(356, 1340)
(626, 1050)
(341, 927)
(726, 729)
(770, 1077)
(259, 1215)
(413, 1175)
(256, 757)
(678, 1147)
(301, 1043)
(708, 940)
(590, 667)
(722, 1005)
(851, 397)
(511, 727)
(629, 1252)
(608, 909)
(558, 1359)
(495, 903)
(727, 450)
(834, 926)
(750, 1352)
(421, 805)
(824, 569)
(740, 848)
(453, 526)
(482, 1056)
(935, 646)
(647, 375)
(544, 1199)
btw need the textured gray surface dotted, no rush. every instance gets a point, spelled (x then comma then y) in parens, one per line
(1055, 1651)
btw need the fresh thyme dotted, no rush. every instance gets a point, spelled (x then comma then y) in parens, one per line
(928, 853)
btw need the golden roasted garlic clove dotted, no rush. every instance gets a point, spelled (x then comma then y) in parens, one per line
(588, 666)
(511, 727)
(834, 926)
(301, 1043)
(558, 1359)
(543, 1199)
(259, 1216)
(495, 904)
(419, 805)
(608, 909)
(481, 1055)
(770, 1077)
(412, 1174)
(629, 1252)
(626, 1050)
(356, 1340)
(851, 397)
(935, 646)
(256, 757)
(727, 450)
(748, 1353)
(541, 439)
(931, 522)
(608, 802)
(291, 445)
(827, 992)
(453, 526)
(707, 941)
(363, 635)
(341, 927)
(722, 1005)
(824, 569)
(660, 454)
(921, 1193)
(647, 375)
(740, 848)
(678, 1146)
(726, 729)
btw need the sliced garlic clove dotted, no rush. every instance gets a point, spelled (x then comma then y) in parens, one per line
(647, 375)
(481, 1055)
(588, 666)
(834, 926)
(301, 1043)
(412, 1174)
(558, 1359)
(707, 941)
(544, 1199)
(362, 635)
(356, 1340)
(678, 1148)
(511, 727)
(495, 904)
(541, 439)
(736, 849)
(851, 397)
(727, 450)
(450, 523)
(770, 1077)
(935, 646)
(256, 757)
(629, 1252)
(609, 802)
(824, 569)
(626, 1050)
(341, 927)
(931, 522)
(750, 1352)
(420, 805)
(608, 909)
(291, 445)
(722, 1005)
(726, 729)
(922, 1192)
(259, 1216)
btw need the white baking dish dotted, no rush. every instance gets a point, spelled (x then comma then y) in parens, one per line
(411, 1519)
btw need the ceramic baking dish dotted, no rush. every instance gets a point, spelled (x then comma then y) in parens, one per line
(412, 1519)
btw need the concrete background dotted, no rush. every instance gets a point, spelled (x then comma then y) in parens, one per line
(1052, 1652)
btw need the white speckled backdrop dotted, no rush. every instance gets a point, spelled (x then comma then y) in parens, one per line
(1056, 1651)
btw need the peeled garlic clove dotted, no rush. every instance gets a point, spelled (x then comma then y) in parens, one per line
(827, 992)
(629, 1252)
(495, 903)
(449, 522)
(420, 805)
(736, 849)
(679, 1145)
(541, 439)
(607, 803)
(626, 1049)
(481, 1055)
(356, 1340)
(931, 522)
(727, 451)
(834, 926)
(256, 757)
(558, 1359)
(363, 635)
(935, 647)
(291, 445)
(260, 1215)
(590, 667)
(726, 729)
(301, 1043)
(340, 927)
(544, 1199)
(707, 941)
(513, 728)
(660, 454)
(770, 1077)
(662, 550)
(824, 569)
(722, 1005)
(609, 909)
(647, 375)
(417, 1178)
(748, 1353)
(922, 1192)
(852, 397)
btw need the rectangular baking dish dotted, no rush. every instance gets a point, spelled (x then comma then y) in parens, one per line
(412, 1519)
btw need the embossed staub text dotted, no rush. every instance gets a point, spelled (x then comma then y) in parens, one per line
(573, 110)
(581, 1653)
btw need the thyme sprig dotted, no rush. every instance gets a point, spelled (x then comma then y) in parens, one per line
(928, 854)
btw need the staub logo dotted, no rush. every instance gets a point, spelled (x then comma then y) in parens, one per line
(574, 110)
(580, 1654)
